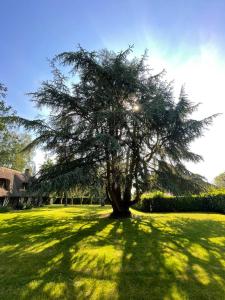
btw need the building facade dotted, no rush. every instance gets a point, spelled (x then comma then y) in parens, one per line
(13, 185)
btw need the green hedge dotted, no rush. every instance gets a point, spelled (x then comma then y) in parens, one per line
(4, 209)
(201, 203)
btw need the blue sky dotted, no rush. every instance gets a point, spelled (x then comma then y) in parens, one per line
(185, 37)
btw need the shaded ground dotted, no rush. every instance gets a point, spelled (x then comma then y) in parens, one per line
(75, 253)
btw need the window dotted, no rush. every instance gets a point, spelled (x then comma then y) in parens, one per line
(4, 183)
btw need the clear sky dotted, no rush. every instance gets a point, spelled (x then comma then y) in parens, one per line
(187, 38)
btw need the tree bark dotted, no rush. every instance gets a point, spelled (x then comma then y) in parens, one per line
(121, 213)
(119, 202)
(120, 207)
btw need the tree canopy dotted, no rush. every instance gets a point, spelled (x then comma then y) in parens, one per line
(4, 109)
(11, 142)
(116, 124)
(220, 180)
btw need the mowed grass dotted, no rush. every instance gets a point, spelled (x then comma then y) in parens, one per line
(78, 253)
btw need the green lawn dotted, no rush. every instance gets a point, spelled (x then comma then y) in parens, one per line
(78, 253)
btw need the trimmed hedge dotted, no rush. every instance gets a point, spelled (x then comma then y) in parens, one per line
(194, 203)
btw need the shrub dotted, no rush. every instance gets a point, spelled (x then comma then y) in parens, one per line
(4, 209)
(213, 202)
(28, 206)
(19, 206)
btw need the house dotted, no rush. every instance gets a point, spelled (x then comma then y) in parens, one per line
(13, 184)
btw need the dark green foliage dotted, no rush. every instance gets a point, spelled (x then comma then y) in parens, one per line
(196, 203)
(79, 201)
(4, 209)
(23, 203)
(178, 180)
(114, 124)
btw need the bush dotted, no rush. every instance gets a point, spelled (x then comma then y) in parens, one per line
(19, 206)
(213, 202)
(28, 206)
(4, 209)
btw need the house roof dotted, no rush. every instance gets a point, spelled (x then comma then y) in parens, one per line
(9, 173)
(16, 179)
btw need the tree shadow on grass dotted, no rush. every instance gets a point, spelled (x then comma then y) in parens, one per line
(37, 255)
(87, 257)
(177, 259)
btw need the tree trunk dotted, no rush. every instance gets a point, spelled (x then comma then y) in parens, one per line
(120, 208)
(121, 213)
(120, 203)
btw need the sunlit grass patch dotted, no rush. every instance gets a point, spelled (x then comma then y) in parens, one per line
(78, 253)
